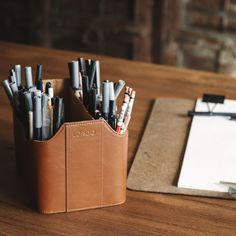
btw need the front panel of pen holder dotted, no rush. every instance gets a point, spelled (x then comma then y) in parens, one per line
(96, 169)
(115, 151)
(49, 161)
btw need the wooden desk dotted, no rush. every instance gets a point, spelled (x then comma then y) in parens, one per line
(143, 213)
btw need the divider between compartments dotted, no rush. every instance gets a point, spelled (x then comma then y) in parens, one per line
(77, 111)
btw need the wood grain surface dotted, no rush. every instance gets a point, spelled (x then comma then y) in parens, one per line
(143, 213)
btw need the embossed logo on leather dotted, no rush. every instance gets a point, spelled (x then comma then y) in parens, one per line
(84, 133)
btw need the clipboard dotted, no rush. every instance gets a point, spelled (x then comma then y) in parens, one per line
(159, 158)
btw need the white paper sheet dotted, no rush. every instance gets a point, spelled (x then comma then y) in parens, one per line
(210, 155)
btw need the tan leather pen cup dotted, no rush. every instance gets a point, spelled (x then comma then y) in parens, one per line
(83, 166)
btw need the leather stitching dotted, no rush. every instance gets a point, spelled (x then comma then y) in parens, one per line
(101, 145)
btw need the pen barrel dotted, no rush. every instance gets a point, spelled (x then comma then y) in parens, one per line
(91, 74)
(28, 77)
(8, 91)
(105, 98)
(37, 117)
(82, 66)
(98, 77)
(30, 125)
(92, 102)
(85, 90)
(18, 74)
(118, 87)
(75, 74)
(39, 72)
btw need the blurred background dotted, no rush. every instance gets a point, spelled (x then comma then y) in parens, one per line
(197, 34)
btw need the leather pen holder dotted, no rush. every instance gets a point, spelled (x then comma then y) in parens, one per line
(83, 166)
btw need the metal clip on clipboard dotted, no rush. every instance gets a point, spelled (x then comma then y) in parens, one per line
(212, 99)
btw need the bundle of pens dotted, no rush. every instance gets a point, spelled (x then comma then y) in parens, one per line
(86, 81)
(39, 111)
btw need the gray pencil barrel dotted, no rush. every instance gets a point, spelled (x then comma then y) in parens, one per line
(111, 91)
(75, 74)
(105, 97)
(14, 88)
(37, 92)
(18, 74)
(119, 86)
(28, 101)
(46, 118)
(37, 112)
(8, 91)
(98, 77)
(28, 77)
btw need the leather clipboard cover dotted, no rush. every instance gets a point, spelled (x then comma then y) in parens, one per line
(158, 160)
(83, 166)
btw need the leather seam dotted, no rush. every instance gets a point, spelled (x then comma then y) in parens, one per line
(66, 171)
(102, 152)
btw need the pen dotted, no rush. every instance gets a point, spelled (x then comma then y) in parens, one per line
(123, 110)
(15, 91)
(46, 118)
(51, 95)
(85, 90)
(12, 75)
(18, 74)
(82, 66)
(9, 93)
(38, 80)
(129, 111)
(29, 110)
(92, 101)
(105, 99)
(112, 106)
(91, 73)
(47, 86)
(37, 118)
(58, 113)
(28, 77)
(118, 87)
(74, 74)
(98, 77)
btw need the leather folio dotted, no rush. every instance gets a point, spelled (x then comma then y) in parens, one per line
(83, 166)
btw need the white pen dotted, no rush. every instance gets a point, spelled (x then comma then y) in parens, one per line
(128, 113)
(123, 110)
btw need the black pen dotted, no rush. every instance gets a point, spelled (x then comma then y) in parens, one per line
(58, 113)
(112, 106)
(91, 73)
(92, 101)
(38, 80)
(85, 90)
(74, 74)
(47, 86)
(82, 68)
